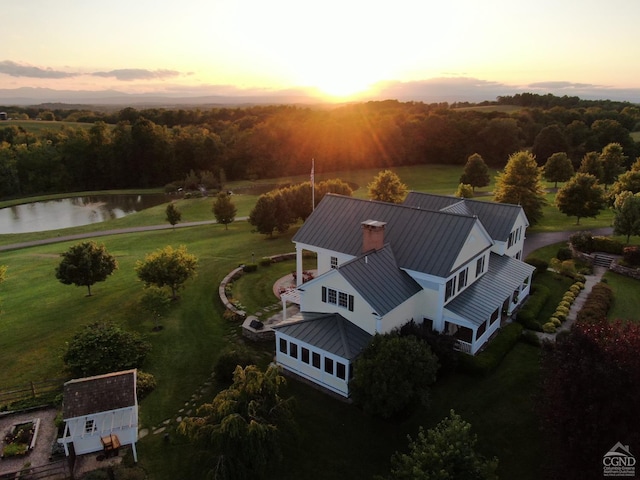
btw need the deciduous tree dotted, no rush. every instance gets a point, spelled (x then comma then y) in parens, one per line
(387, 187)
(167, 267)
(558, 168)
(581, 197)
(592, 165)
(447, 451)
(84, 264)
(224, 210)
(103, 348)
(476, 172)
(589, 395)
(520, 184)
(393, 373)
(627, 214)
(244, 425)
(612, 159)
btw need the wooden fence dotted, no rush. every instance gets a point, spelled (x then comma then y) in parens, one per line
(30, 390)
(56, 470)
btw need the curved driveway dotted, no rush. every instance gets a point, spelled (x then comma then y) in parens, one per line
(533, 241)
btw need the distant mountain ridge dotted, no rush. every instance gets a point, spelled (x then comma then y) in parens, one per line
(33, 96)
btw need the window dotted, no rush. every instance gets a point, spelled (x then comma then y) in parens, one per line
(480, 266)
(328, 365)
(334, 262)
(450, 289)
(333, 296)
(481, 329)
(293, 350)
(342, 299)
(341, 370)
(88, 426)
(305, 355)
(462, 278)
(494, 316)
(329, 295)
(316, 360)
(283, 345)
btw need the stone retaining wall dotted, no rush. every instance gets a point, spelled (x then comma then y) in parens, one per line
(237, 273)
(619, 269)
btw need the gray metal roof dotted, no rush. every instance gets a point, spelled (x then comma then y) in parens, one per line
(489, 292)
(330, 332)
(497, 218)
(423, 240)
(378, 279)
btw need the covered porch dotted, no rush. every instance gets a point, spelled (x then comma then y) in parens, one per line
(472, 317)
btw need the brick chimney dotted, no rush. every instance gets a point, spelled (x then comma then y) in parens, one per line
(372, 235)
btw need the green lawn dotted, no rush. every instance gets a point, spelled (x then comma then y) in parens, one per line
(39, 315)
(625, 303)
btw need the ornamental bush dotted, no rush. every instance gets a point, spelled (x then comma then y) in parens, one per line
(549, 327)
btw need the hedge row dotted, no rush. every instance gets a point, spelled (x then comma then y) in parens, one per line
(597, 304)
(487, 361)
(587, 243)
(527, 316)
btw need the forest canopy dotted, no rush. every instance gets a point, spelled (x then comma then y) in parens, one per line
(152, 147)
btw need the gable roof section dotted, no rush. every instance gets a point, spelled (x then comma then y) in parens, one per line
(423, 240)
(86, 396)
(497, 218)
(330, 332)
(377, 278)
(480, 300)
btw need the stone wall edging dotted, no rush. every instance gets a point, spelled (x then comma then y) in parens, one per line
(237, 273)
(616, 268)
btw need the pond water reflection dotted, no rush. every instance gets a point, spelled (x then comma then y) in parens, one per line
(73, 212)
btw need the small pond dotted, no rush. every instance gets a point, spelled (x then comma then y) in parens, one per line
(73, 212)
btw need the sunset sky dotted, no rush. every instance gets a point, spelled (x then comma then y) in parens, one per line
(336, 47)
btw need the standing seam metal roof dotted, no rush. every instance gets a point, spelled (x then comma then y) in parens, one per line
(423, 240)
(377, 278)
(480, 300)
(497, 218)
(330, 332)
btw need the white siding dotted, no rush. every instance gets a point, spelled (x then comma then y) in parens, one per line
(319, 375)
(122, 422)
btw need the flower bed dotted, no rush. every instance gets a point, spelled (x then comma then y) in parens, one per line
(21, 438)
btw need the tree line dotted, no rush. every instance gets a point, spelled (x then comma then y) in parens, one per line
(154, 147)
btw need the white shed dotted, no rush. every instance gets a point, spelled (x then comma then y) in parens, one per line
(100, 413)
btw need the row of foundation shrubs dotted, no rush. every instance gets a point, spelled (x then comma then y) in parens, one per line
(562, 310)
(597, 304)
(486, 361)
(527, 316)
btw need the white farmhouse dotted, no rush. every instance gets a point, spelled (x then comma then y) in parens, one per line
(100, 413)
(452, 263)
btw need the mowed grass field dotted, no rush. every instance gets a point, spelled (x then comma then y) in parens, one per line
(39, 315)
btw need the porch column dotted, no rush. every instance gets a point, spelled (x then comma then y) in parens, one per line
(299, 251)
(284, 307)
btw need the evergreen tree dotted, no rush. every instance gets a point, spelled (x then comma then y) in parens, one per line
(224, 210)
(173, 214)
(612, 159)
(445, 452)
(520, 184)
